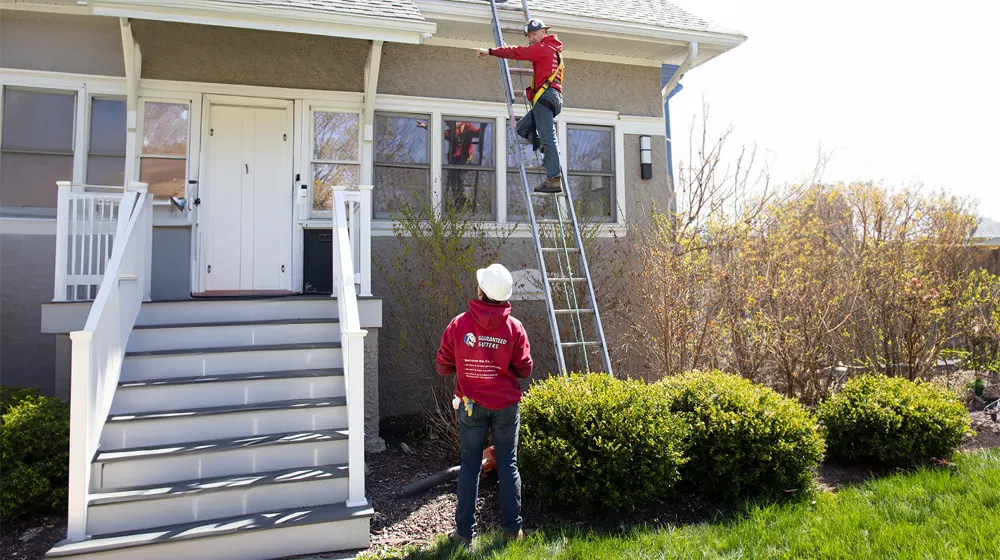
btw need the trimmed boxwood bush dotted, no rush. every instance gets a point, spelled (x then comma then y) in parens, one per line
(34, 443)
(594, 443)
(745, 440)
(893, 421)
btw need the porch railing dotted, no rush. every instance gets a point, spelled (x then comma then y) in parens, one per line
(99, 349)
(86, 227)
(357, 206)
(351, 336)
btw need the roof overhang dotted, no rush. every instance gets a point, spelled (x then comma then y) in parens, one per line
(712, 44)
(268, 18)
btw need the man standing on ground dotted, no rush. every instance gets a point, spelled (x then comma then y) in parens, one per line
(538, 126)
(488, 351)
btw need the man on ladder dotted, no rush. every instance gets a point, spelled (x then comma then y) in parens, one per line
(538, 126)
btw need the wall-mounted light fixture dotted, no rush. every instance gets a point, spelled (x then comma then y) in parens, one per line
(646, 157)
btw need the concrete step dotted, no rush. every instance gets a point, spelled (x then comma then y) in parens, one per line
(156, 364)
(260, 536)
(178, 426)
(232, 333)
(162, 464)
(210, 498)
(237, 309)
(221, 390)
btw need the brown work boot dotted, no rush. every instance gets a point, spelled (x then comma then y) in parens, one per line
(518, 536)
(552, 185)
(459, 540)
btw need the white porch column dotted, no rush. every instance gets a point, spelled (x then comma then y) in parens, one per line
(353, 350)
(147, 233)
(62, 240)
(371, 86)
(80, 454)
(133, 70)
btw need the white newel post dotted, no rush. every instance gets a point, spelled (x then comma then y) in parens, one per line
(147, 232)
(81, 405)
(62, 240)
(354, 349)
(365, 257)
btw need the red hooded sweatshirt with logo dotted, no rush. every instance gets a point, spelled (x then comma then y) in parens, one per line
(543, 60)
(488, 350)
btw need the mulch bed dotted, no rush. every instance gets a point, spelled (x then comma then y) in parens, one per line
(31, 538)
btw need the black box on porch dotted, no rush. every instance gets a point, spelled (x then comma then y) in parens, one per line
(317, 268)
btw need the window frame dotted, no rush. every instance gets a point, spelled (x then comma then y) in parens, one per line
(445, 167)
(612, 174)
(310, 160)
(140, 131)
(78, 165)
(90, 125)
(433, 179)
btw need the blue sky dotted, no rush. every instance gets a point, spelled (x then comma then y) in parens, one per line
(900, 92)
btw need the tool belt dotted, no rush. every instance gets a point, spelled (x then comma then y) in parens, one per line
(557, 74)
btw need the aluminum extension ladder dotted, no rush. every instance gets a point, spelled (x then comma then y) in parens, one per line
(563, 286)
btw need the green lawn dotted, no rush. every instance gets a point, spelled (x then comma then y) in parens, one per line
(937, 513)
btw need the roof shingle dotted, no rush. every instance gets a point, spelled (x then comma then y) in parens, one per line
(659, 13)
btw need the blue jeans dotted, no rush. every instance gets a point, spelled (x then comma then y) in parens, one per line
(539, 126)
(504, 424)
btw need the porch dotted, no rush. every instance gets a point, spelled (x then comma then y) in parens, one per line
(223, 425)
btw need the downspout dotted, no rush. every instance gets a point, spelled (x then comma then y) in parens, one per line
(668, 91)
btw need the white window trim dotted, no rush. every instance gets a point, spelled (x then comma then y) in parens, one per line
(164, 214)
(309, 149)
(439, 108)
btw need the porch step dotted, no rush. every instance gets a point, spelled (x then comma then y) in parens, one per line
(232, 334)
(179, 426)
(229, 389)
(260, 536)
(160, 464)
(155, 364)
(220, 310)
(208, 498)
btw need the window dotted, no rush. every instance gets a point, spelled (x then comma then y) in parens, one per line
(37, 149)
(591, 170)
(402, 163)
(335, 155)
(469, 167)
(106, 154)
(163, 161)
(516, 210)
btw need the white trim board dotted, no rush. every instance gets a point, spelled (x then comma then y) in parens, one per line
(10, 225)
(270, 18)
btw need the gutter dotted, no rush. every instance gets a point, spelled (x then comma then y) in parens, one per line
(666, 93)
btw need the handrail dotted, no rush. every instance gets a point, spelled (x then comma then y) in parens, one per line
(352, 345)
(98, 350)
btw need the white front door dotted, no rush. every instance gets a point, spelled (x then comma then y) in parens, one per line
(246, 209)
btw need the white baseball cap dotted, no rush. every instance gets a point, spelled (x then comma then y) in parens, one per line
(496, 282)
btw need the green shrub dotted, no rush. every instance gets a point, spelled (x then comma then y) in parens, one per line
(745, 440)
(893, 421)
(34, 443)
(12, 396)
(594, 443)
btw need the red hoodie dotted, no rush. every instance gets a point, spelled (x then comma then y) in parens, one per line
(543, 60)
(489, 350)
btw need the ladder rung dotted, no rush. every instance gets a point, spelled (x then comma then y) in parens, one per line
(584, 343)
(552, 221)
(567, 279)
(571, 311)
(559, 249)
(515, 70)
(560, 193)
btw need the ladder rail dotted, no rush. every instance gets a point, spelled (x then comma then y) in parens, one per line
(546, 288)
(512, 132)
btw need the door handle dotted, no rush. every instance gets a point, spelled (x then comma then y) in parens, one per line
(248, 167)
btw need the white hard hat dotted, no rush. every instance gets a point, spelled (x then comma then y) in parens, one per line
(496, 282)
